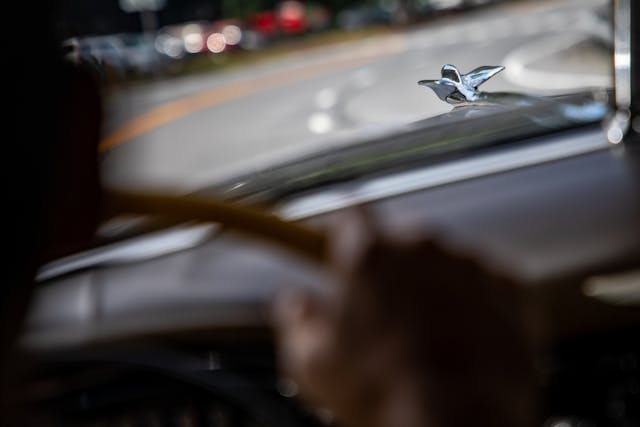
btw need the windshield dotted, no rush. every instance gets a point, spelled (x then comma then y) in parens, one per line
(200, 91)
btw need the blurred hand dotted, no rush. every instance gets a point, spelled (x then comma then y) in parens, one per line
(410, 333)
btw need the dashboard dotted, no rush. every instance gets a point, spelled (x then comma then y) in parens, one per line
(183, 338)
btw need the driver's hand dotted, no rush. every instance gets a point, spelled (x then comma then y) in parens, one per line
(410, 333)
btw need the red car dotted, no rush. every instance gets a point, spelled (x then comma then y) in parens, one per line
(291, 17)
(264, 23)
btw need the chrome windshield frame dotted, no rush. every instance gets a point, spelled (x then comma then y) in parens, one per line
(624, 123)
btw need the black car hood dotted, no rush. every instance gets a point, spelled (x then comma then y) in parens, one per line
(497, 119)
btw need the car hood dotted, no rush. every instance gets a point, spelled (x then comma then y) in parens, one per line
(498, 119)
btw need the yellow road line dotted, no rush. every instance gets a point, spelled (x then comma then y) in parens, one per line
(173, 110)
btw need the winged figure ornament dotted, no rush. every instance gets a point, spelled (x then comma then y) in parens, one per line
(456, 88)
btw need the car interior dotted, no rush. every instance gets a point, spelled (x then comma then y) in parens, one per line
(167, 322)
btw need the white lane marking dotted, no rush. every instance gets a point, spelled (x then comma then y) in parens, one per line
(326, 98)
(320, 123)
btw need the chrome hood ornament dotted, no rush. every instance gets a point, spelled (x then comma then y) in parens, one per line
(455, 88)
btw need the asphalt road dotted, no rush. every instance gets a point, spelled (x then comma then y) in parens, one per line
(186, 133)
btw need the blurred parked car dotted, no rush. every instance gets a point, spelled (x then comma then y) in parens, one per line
(197, 37)
(287, 18)
(178, 40)
(363, 16)
(437, 5)
(140, 53)
(123, 53)
(108, 51)
(263, 23)
(291, 17)
(225, 34)
(318, 16)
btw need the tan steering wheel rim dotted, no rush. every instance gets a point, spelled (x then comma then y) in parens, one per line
(295, 237)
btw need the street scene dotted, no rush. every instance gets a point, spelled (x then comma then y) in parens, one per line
(322, 213)
(188, 129)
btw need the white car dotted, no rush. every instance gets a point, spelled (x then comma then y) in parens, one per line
(126, 53)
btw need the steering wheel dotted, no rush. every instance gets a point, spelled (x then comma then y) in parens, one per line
(164, 381)
(298, 238)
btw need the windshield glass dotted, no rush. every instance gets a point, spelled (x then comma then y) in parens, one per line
(199, 91)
